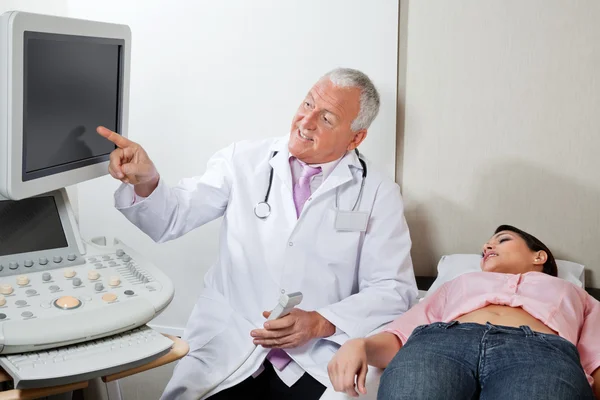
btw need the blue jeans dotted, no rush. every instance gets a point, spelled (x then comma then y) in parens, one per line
(473, 361)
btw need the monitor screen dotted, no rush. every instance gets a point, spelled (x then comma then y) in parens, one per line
(30, 225)
(71, 85)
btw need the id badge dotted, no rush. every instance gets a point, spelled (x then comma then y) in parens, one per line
(351, 221)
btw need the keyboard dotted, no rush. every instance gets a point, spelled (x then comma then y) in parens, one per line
(88, 360)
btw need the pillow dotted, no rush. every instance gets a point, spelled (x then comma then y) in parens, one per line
(451, 266)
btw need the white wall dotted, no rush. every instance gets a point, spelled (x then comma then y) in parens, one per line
(502, 126)
(206, 73)
(51, 7)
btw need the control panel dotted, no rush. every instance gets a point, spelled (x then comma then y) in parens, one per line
(53, 302)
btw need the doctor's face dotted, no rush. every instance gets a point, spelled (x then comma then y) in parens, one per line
(321, 127)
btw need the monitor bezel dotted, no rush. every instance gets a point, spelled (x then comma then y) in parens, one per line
(15, 24)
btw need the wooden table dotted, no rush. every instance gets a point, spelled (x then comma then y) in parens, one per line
(180, 348)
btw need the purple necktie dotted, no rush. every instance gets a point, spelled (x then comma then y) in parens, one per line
(302, 187)
(278, 357)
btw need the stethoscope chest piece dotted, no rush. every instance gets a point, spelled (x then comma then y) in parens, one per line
(262, 210)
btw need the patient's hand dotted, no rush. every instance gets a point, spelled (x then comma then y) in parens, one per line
(349, 362)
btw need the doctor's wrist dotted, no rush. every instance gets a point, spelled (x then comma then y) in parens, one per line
(145, 189)
(322, 327)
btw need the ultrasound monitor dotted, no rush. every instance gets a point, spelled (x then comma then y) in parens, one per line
(63, 78)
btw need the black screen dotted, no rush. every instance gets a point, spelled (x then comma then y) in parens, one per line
(72, 84)
(30, 225)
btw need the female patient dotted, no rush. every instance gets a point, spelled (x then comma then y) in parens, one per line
(513, 331)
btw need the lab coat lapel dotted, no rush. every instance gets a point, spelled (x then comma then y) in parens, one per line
(340, 175)
(283, 173)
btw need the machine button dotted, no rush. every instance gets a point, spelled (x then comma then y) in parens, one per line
(69, 273)
(57, 259)
(71, 257)
(93, 275)
(46, 276)
(76, 281)
(2, 300)
(45, 305)
(108, 297)
(20, 303)
(43, 261)
(114, 281)
(2, 316)
(129, 292)
(5, 288)
(13, 265)
(1, 267)
(120, 252)
(85, 298)
(28, 263)
(22, 280)
(54, 288)
(111, 263)
(92, 259)
(26, 314)
(31, 292)
(99, 286)
(67, 303)
(126, 258)
(106, 258)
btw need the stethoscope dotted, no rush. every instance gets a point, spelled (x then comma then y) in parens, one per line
(262, 209)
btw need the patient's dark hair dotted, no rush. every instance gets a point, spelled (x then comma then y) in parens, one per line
(534, 244)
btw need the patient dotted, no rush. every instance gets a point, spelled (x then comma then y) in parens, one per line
(513, 331)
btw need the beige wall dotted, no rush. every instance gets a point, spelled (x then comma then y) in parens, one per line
(502, 125)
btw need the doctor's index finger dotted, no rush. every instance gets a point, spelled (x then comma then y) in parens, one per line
(114, 137)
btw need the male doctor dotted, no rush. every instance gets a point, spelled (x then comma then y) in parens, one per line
(302, 213)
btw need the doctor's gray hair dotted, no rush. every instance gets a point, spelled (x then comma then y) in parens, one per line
(369, 97)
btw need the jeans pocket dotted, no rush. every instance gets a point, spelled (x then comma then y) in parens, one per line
(561, 345)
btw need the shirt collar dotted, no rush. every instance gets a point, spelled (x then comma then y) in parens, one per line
(326, 168)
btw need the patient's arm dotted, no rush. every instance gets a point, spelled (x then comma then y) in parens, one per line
(349, 365)
(596, 376)
(381, 348)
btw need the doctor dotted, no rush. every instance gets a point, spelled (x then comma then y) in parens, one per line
(302, 213)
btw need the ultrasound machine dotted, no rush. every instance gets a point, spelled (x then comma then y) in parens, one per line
(70, 309)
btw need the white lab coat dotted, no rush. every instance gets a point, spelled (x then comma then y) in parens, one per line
(357, 280)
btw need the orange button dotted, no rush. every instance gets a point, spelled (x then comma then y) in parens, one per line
(108, 297)
(67, 303)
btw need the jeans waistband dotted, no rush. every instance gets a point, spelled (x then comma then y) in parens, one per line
(523, 329)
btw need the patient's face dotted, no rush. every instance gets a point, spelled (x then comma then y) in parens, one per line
(507, 252)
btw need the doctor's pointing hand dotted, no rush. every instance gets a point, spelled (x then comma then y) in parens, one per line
(305, 212)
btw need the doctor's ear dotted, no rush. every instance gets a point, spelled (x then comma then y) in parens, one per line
(540, 257)
(357, 139)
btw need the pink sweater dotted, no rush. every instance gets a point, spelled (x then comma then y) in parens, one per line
(563, 307)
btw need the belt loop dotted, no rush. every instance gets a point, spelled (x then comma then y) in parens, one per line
(451, 324)
(527, 330)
